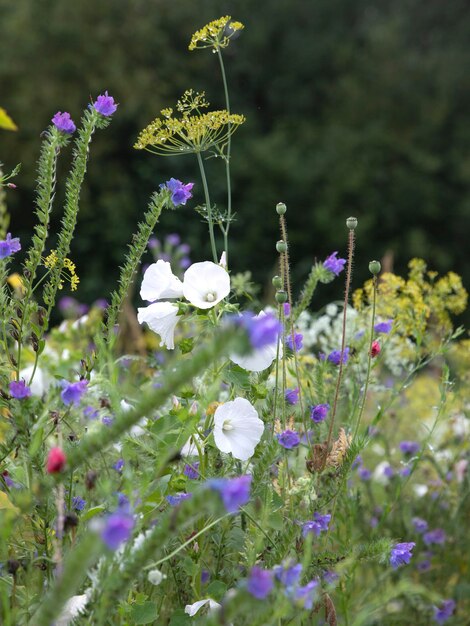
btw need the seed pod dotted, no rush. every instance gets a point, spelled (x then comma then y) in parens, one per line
(281, 246)
(375, 267)
(351, 223)
(281, 208)
(281, 296)
(277, 282)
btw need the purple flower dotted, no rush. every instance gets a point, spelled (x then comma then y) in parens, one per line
(333, 264)
(118, 466)
(235, 492)
(288, 574)
(123, 501)
(90, 412)
(154, 243)
(401, 554)
(72, 392)
(177, 498)
(384, 327)
(107, 420)
(173, 239)
(286, 307)
(9, 246)
(192, 471)
(357, 462)
(180, 192)
(319, 412)
(444, 612)
(105, 105)
(389, 471)
(406, 471)
(262, 329)
(364, 473)
(292, 396)
(64, 123)
(260, 583)
(424, 566)
(317, 525)
(78, 503)
(19, 389)
(330, 577)
(205, 576)
(288, 439)
(409, 447)
(437, 536)
(298, 338)
(307, 595)
(335, 356)
(184, 248)
(420, 525)
(118, 528)
(185, 262)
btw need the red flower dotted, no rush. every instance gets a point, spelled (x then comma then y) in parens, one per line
(55, 461)
(375, 350)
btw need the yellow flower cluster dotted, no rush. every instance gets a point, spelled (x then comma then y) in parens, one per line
(69, 270)
(416, 304)
(216, 34)
(192, 132)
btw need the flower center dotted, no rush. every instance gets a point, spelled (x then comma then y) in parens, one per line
(227, 425)
(210, 296)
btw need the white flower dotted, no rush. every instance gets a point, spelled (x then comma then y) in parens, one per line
(159, 282)
(192, 609)
(223, 260)
(40, 382)
(205, 284)
(237, 428)
(155, 577)
(72, 609)
(259, 359)
(190, 448)
(162, 318)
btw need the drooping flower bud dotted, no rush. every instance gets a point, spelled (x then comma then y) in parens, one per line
(56, 460)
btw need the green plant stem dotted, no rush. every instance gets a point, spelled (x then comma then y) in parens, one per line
(227, 156)
(369, 358)
(208, 207)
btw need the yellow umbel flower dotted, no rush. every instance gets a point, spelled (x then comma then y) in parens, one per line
(418, 303)
(68, 272)
(192, 131)
(216, 34)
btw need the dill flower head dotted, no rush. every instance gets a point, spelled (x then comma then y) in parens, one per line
(68, 272)
(216, 34)
(189, 132)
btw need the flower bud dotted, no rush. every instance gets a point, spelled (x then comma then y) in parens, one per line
(55, 461)
(281, 296)
(281, 208)
(277, 282)
(374, 267)
(11, 186)
(281, 246)
(351, 223)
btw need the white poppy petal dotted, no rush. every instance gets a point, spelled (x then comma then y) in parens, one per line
(161, 317)
(160, 282)
(237, 428)
(205, 284)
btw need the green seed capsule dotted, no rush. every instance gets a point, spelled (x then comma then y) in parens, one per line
(281, 208)
(277, 282)
(281, 296)
(374, 267)
(351, 223)
(281, 246)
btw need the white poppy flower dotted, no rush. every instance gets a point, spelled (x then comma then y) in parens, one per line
(159, 282)
(192, 609)
(260, 358)
(237, 428)
(205, 284)
(161, 317)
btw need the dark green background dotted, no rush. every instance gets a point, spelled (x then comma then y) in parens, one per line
(354, 107)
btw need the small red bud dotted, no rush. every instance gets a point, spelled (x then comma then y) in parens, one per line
(55, 461)
(375, 349)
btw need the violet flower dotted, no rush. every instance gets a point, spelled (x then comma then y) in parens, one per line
(105, 105)
(401, 554)
(235, 492)
(19, 389)
(317, 525)
(72, 392)
(333, 264)
(118, 529)
(9, 246)
(260, 583)
(288, 439)
(319, 412)
(180, 192)
(64, 123)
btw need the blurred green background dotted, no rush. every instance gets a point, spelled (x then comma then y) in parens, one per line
(353, 108)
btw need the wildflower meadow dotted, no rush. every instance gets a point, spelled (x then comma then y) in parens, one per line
(186, 452)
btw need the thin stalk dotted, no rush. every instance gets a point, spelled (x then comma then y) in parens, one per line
(369, 357)
(208, 206)
(343, 338)
(227, 157)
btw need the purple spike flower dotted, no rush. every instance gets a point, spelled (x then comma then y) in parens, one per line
(19, 389)
(260, 583)
(64, 123)
(118, 528)
(192, 470)
(444, 611)
(9, 246)
(437, 536)
(317, 525)
(105, 105)
(235, 492)
(401, 554)
(298, 338)
(72, 392)
(288, 574)
(335, 356)
(292, 395)
(177, 498)
(409, 447)
(334, 264)
(384, 327)
(319, 412)
(288, 439)
(180, 192)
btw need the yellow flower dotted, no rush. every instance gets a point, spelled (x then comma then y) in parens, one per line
(216, 34)
(192, 131)
(68, 271)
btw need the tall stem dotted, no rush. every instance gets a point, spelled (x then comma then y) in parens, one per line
(227, 158)
(208, 206)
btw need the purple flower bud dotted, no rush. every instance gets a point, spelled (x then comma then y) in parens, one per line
(19, 389)
(173, 239)
(78, 503)
(119, 465)
(105, 105)
(260, 583)
(364, 473)
(401, 554)
(334, 264)
(64, 123)
(420, 525)
(319, 412)
(288, 439)
(9, 246)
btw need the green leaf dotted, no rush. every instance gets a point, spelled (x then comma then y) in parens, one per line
(179, 618)
(92, 512)
(36, 441)
(186, 345)
(235, 375)
(216, 590)
(145, 613)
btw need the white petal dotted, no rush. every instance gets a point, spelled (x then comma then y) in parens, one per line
(205, 284)
(223, 260)
(192, 609)
(160, 282)
(259, 359)
(246, 429)
(189, 448)
(162, 318)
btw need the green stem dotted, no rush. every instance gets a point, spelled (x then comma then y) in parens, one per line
(227, 157)
(208, 207)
